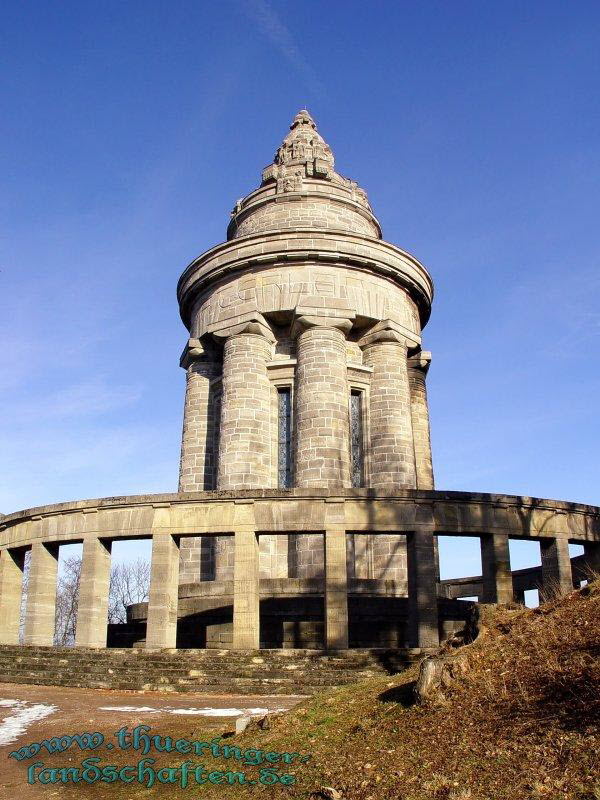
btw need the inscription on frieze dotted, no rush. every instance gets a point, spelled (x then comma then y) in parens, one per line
(284, 289)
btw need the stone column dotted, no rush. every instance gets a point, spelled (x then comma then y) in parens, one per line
(422, 594)
(11, 587)
(41, 595)
(161, 627)
(557, 578)
(246, 586)
(92, 609)
(418, 366)
(336, 577)
(495, 565)
(392, 454)
(322, 442)
(245, 430)
(197, 469)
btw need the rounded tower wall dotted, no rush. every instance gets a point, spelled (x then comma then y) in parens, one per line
(278, 291)
(301, 326)
(311, 204)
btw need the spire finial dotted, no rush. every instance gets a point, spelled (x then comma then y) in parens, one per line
(303, 118)
(303, 154)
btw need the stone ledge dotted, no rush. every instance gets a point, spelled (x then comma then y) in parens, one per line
(401, 496)
(306, 245)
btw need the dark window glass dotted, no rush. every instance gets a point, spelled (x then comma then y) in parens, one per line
(356, 440)
(284, 440)
(216, 436)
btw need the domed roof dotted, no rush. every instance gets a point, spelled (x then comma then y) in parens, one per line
(300, 189)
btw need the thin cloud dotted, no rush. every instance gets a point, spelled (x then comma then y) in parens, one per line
(88, 398)
(271, 26)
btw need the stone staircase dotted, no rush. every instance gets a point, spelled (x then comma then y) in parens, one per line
(300, 672)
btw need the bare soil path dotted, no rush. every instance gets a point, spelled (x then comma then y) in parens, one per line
(34, 713)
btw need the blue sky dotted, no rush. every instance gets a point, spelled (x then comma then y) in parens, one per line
(130, 129)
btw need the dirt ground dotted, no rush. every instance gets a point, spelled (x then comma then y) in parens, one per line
(33, 713)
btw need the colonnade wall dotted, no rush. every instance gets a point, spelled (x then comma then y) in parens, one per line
(247, 517)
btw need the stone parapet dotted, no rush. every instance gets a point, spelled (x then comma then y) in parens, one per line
(449, 512)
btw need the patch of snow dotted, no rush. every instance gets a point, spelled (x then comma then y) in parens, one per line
(17, 723)
(208, 712)
(224, 712)
(199, 712)
(10, 703)
(145, 709)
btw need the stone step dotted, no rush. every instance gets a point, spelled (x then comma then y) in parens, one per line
(136, 677)
(172, 675)
(220, 689)
(286, 655)
(222, 671)
(202, 667)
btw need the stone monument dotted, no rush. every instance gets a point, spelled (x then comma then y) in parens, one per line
(306, 514)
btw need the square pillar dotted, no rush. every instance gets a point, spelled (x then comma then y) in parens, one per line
(92, 609)
(557, 577)
(336, 590)
(41, 595)
(246, 587)
(11, 587)
(495, 566)
(161, 627)
(422, 594)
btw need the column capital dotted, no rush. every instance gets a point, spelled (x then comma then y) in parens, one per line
(389, 331)
(193, 350)
(252, 322)
(306, 317)
(420, 362)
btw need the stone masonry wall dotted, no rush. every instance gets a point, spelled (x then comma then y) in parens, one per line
(306, 555)
(389, 559)
(311, 212)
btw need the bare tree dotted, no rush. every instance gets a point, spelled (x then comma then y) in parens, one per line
(25, 586)
(67, 601)
(129, 583)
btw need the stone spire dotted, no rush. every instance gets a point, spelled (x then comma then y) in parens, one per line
(301, 188)
(303, 153)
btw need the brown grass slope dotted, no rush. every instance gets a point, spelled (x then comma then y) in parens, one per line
(520, 720)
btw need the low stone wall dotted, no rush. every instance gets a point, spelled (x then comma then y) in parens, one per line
(291, 616)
